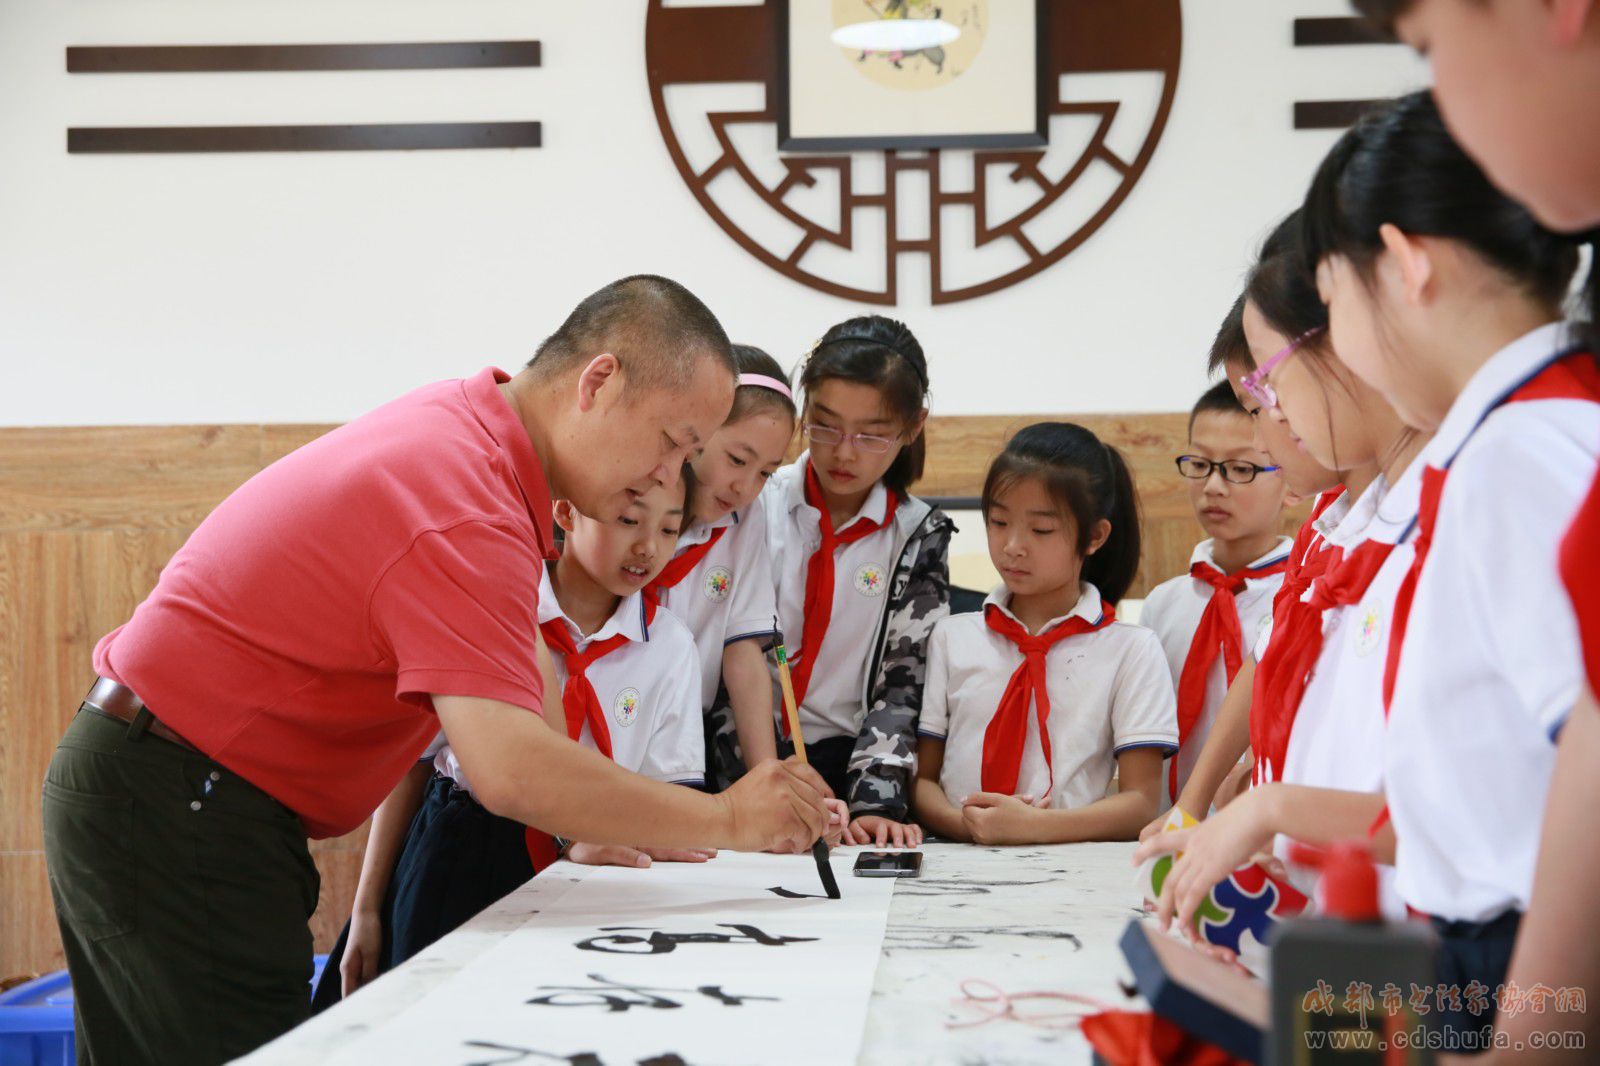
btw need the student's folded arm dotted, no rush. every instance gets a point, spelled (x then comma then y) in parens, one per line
(749, 685)
(931, 806)
(885, 757)
(1118, 817)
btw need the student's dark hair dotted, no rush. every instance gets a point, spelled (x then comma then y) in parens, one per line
(657, 329)
(1589, 297)
(1090, 480)
(1399, 165)
(1229, 347)
(1283, 284)
(753, 399)
(881, 352)
(1219, 400)
(690, 483)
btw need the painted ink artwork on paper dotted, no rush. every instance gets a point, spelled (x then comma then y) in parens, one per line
(731, 961)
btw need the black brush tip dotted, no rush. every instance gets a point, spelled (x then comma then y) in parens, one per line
(819, 851)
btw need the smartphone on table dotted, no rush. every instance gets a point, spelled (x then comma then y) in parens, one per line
(888, 864)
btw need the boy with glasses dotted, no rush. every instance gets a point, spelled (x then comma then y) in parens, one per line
(1209, 618)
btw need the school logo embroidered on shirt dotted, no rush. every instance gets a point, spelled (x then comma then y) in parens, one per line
(626, 707)
(1369, 629)
(719, 583)
(870, 579)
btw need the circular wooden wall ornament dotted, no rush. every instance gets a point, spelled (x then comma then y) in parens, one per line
(698, 46)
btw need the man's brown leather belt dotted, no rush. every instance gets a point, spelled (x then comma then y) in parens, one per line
(115, 700)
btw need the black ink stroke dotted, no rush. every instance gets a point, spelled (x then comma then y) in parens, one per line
(788, 893)
(966, 938)
(582, 1058)
(659, 943)
(617, 997)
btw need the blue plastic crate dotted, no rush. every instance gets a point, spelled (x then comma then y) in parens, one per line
(36, 1023)
(36, 1020)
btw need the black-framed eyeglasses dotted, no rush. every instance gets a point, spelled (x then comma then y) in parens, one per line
(829, 437)
(1234, 471)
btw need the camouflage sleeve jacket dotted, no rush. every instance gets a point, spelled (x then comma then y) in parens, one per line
(885, 758)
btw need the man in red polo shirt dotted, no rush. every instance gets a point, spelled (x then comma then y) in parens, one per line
(316, 631)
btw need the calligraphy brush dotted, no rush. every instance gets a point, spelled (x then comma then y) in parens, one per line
(819, 850)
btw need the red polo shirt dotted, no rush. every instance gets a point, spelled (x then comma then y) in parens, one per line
(1580, 568)
(297, 634)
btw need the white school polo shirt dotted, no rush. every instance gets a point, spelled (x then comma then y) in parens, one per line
(648, 687)
(862, 572)
(1339, 729)
(728, 596)
(1109, 691)
(1172, 611)
(1491, 662)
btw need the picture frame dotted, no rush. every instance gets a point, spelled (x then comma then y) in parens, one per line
(843, 85)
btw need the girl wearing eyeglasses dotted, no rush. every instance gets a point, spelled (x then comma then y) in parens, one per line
(862, 569)
(1317, 730)
(1447, 296)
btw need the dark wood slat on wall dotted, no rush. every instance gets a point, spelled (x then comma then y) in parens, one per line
(376, 137)
(1336, 31)
(208, 58)
(1329, 114)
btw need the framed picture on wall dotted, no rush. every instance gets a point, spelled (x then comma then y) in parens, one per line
(877, 74)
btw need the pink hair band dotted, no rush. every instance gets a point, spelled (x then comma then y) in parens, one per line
(766, 382)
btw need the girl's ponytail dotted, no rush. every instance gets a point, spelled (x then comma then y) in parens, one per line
(1113, 568)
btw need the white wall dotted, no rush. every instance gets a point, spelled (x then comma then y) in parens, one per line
(309, 287)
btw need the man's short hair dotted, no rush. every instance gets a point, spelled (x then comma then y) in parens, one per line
(657, 329)
(1230, 346)
(1218, 399)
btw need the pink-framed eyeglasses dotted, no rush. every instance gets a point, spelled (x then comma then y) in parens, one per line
(1255, 382)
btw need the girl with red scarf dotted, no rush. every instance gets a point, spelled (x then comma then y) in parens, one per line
(1033, 705)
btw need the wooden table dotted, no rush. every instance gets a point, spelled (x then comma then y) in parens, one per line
(1024, 919)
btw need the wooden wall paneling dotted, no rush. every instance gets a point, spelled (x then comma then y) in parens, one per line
(61, 592)
(29, 942)
(88, 516)
(279, 441)
(131, 477)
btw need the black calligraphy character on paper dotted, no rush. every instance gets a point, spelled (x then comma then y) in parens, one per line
(659, 943)
(617, 998)
(786, 893)
(582, 1058)
(926, 938)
